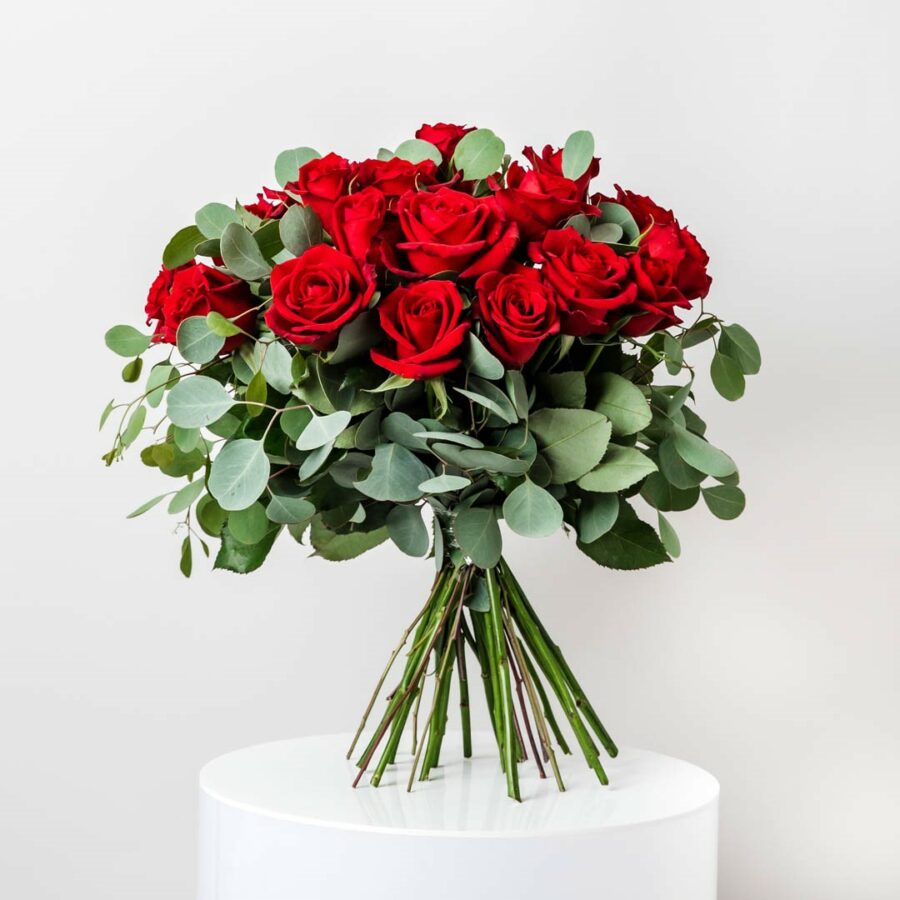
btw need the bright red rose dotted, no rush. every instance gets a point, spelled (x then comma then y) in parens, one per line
(320, 183)
(357, 219)
(592, 280)
(537, 201)
(269, 204)
(445, 137)
(669, 267)
(195, 290)
(450, 231)
(425, 322)
(550, 163)
(316, 294)
(396, 176)
(517, 312)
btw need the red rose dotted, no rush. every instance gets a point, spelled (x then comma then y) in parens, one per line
(425, 322)
(517, 312)
(537, 201)
(445, 137)
(195, 290)
(357, 219)
(669, 267)
(316, 294)
(449, 231)
(320, 183)
(269, 204)
(396, 176)
(591, 279)
(550, 163)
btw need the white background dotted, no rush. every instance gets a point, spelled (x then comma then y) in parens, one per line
(767, 654)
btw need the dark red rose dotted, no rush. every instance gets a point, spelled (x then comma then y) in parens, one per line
(592, 280)
(195, 290)
(450, 231)
(517, 312)
(316, 294)
(357, 219)
(394, 177)
(550, 163)
(320, 183)
(269, 204)
(670, 266)
(537, 201)
(445, 137)
(425, 322)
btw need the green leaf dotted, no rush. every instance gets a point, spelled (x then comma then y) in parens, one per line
(698, 333)
(314, 461)
(242, 558)
(337, 547)
(289, 510)
(452, 437)
(218, 324)
(518, 391)
(239, 474)
(531, 511)
(396, 475)
(186, 439)
(674, 354)
(481, 361)
(572, 441)
(300, 228)
(725, 501)
(195, 342)
(399, 428)
(107, 410)
(249, 526)
(294, 421)
(181, 248)
(700, 454)
(213, 218)
(186, 563)
(276, 367)
(504, 410)
(268, 238)
(577, 154)
(242, 254)
(210, 515)
(289, 162)
(566, 389)
(186, 496)
(597, 513)
(675, 469)
(488, 460)
(629, 544)
(442, 484)
(323, 430)
(355, 338)
(727, 377)
(134, 426)
(479, 154)
(145, 506)
(669, 537)
(623, 403)
(415, 151)
(196, 401)
(662, 495)
(607, 233)
(621, 467)
(132, 370)
(126, 341)
(478, 535)
(391, 383)
(408, 530)
(256, 394)
(738, 344)
(479, 600)
(614, 213)
(159, 377)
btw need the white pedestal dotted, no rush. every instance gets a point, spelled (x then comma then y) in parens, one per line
(281, 822)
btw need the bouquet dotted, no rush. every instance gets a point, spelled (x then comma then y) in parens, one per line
(412, 348)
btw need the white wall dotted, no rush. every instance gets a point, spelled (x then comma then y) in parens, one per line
(767, 653)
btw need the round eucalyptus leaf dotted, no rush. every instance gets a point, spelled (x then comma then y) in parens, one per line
(675, 469)
(213, 218)
(289, 162)
(249, 526)
(577, 154)
(572, 441)
(623, 403)
(276, 367)
(160, 376)
(478, 535)
(725, 501)
(126, 341)
(479, 154)
(195, 342)
(323, 430)
(531, 511)
(239, 474)
(738, 344)
(300, 229)
(242, 255)
(727, 377)
(395, 475)
(197, 401)
(442, 484)
(699, 453)
(415, 151)
(181, 248)
(218, 324)
(407, 530)
(620, 468)
(289, 510)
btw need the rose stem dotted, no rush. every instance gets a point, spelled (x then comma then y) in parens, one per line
(482, 651)
(545, 702)
(520, 693)
(463, 694)
(499, 645)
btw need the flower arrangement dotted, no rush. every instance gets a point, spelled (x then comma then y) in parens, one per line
(437, 329)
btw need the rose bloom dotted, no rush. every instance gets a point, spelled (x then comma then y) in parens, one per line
(669, 267)
(425, 322)
(550, 163)
(538, 200)
(517, 311)
(394, 177)
(320, 183)
(269, 204)
(592, 280)
(195, 290)
(357, 219)
(449, 231)
(445, 137)
(316, 294)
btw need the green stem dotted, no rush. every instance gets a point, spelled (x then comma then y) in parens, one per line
(463, 694)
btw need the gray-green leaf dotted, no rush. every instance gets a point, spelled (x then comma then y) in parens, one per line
(196, 401)
(396, 475)
(195, 342)
(323, 430)
(621, 467)
(242, 255)
(531, 511)
(239, 474)
(478, 536)
(725, 501)
(126, 341)
(572, 441)
(623, 404)
(700, 454)
(289, 162)
(577, 154)
(213, 218)
(407, 530)
(479, 154)
(300, 229)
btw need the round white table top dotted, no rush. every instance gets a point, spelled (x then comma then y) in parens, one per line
(308, 781)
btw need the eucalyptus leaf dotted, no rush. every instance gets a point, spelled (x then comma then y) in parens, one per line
(725, 501)
(135, 424)
(442, 484)
(337, 547)
(597, 513)
(620, 468)
(276, 367)
(250, 525)
(181, 248)
(185, 498)
(146, 506)
(314, 461)
(396, 475)
(289, 510)
(479, 154)
(675, 469)
(195, 342)
(239, 474)
(214, 217)
(126, 341)
(407, 530)
(159, 377)
(289, 162)
(700, 454)
(323, 430)
(623, 403)
(572, 441)
(499, 408)
(218, 324)
(669, 537)
(738, 344)
(531, 511)
(416, 150)
(242, 255)
(727, 377)
(478, 535)
(196, 401)
(578, 153)
(300, 228)
(481, 361)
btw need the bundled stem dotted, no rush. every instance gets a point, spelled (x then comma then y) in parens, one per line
(514, 651)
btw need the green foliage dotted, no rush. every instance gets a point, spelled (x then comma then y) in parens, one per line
(727, 377)
(481, 361)
(337, 547)
(242, 255)
(479, 154)
(300, 229)
(623, 404)
(181, 248)
(572, 441)
(416, 151)
(213, 218)
(239, 474)
(620, 468)
(126, 341)
(236, 556)
(531, 511)
(322, 430)
(478, 535)
(629, 544)
(197, 401)
(195, 342)
(597, 513)
(577, 154)
(725, 501)
(407, 530)
(738, 344)
(396, 475)
(289, 162)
